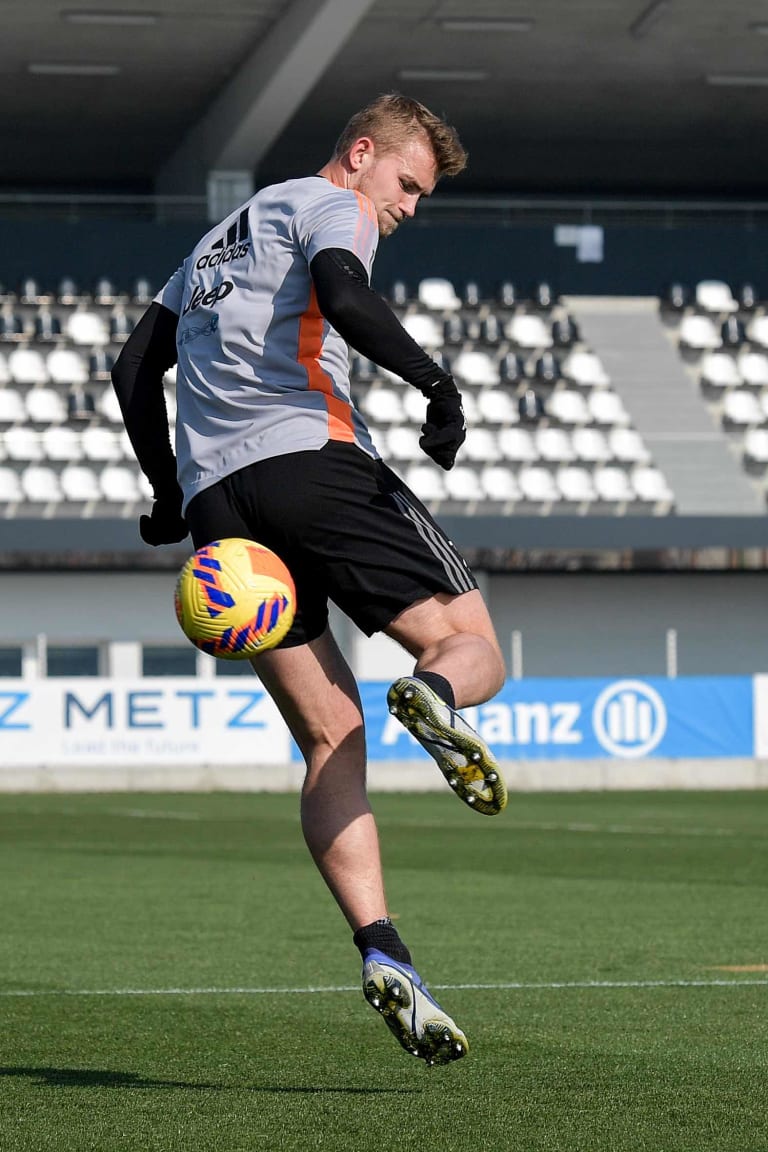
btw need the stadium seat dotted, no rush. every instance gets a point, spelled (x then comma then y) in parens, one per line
(121, 325)
(755, 449)
(575, 484)
(425, 482)
(753, 368)
(142, 291)
(554, 445)
(547, 368)
(10, 486)
(79, 484)
(47, 327)
(470, 295)
(31, 291)
(100, 364)
(27, 366)
(399, 294)
(45, 406)
(491, 331)
(481, 445)
(507, 294)
(757, 331)
(528, 330)
(23, 443)
(500, 484)
(475, 368)
(85, 327)
(585, 369)
(67, 366)
(531, 407)
(495, 406)
(80, 405)
(463, 483)
(105, 291)
(511, 369)
(40, 485)
(170, 404)
(11, 325)
(741, 408)
(627, 446)
(568, 407)
(607, 408)
(564, 332)
(517, 445)
(438, 294)
(544, 296)
(675, 297)
(109, 406)
(5, 373)
(714, 296)
(424, 329)
(101, 444)
(590, 445)
(414, 405)
(68, 292)
(402, 443)
(12, 409)
(119, 484)
(732, 332)
(61, 442)
(747, 297)
(698, 333)
(651, 486)
(612, 485)
(454, 331)
(719, 370)
(382, 406)
(538, 485)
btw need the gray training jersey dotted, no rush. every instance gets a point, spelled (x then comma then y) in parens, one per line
(260, 371)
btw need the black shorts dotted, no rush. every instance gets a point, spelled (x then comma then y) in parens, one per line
(348, 529)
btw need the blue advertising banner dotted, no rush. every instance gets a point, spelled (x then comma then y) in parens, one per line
(586, 719)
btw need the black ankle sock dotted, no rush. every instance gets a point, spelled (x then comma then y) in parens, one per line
(438, 684)
(382, 935)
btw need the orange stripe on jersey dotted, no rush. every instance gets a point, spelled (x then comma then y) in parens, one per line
(365, 223)
(310, 345)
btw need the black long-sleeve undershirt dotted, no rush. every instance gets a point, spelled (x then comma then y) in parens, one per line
(365, 320)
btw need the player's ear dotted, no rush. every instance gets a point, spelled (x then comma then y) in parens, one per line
(361, 152)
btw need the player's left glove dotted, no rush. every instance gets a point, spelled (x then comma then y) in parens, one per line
(165, 524)
(445, 428)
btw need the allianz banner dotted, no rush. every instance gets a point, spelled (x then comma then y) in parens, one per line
(585, 719)
(230, 721)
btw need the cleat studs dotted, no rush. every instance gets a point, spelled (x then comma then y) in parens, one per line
(393, 710)
(408, 694)
(475, 757)
(492, 777)
(471, 799)
(453, 781)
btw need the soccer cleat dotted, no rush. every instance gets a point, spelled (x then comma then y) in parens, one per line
(422, 1027)
(462, 757)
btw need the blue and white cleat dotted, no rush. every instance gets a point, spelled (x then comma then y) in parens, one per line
(463, 758)
(422, 1027)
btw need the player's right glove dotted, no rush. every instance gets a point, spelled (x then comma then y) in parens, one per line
(165, 524)
(444, 429)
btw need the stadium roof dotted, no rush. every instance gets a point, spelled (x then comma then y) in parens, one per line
(647, 97)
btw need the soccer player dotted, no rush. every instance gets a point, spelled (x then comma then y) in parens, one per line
(270, 446)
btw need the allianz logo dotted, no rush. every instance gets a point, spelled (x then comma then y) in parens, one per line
(628, 720)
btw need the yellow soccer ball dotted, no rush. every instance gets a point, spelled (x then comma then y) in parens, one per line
(235, 598)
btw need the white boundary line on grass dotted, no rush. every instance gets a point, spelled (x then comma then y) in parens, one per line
(500, 987)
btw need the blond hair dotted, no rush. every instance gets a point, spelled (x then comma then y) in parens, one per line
(391, 119)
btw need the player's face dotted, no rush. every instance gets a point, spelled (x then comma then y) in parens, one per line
(395, 181)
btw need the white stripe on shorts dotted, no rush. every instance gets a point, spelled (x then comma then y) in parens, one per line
(455, 569)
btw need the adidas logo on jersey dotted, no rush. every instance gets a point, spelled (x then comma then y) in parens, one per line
(234, 245)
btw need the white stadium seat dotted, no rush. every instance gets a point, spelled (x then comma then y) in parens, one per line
(753, 368)
(719, 370)
(383, 406)
(41, 485)
(517, 445)
(527, 330)
(481, 445)
(698, 333)
(715, 296)
(585, 369)
(500, 483)
(27, 366)
(12, 409)
(86, 328)
(61, 442)
(651, 486)
(538, 485)
(10, 486)
(426, 482)
(67, 366)
(109, 407)
(101, 444)
(575, 484)
(554, 445)
(476, 368)
(402, 443)
(45, 406)
(424, 329)
(742, 407)
(613, 485)
(568, 407)
(23, 443)
(627, 446)
(496, 406)
(756, 445)
(79, 484)
(757, 331)
(463, 483)
(607, 408)
(119, 484)
(438, 294)
(414, 405)
(590, 445)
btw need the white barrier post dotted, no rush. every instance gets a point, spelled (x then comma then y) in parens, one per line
(517, 655)
(672, 653)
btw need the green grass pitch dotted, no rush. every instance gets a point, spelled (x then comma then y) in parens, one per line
(174, 977)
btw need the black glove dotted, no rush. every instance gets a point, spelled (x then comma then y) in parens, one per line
(444, 429)
(165, 524)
